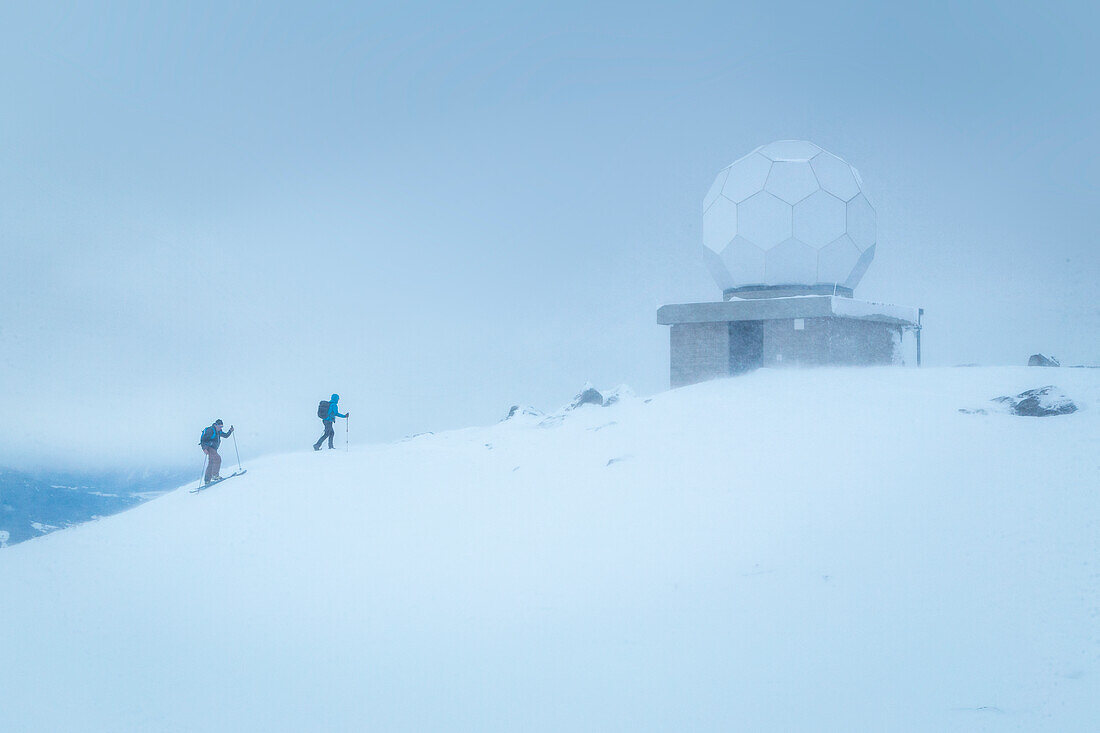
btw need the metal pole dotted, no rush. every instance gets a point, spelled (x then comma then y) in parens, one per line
(920, 314)
(238, 452)
(202, 475)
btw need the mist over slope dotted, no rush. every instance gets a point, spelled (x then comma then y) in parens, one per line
(818, 550)
(35, 504)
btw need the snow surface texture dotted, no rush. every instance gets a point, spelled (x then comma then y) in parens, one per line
(789, 550)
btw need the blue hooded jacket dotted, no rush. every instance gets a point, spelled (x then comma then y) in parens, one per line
(333, 408)
(212, 436)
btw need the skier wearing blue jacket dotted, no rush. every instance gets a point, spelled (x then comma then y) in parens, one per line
(210, 441)
(328, 411)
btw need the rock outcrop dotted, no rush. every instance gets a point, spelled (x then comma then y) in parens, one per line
(1043, 360)
(1040, 402)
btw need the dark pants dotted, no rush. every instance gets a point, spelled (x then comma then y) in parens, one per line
(213, 464)
(329, 433)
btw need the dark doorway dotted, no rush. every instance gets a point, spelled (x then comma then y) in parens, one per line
(746, 346)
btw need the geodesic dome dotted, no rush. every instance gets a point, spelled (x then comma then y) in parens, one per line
(788, 214)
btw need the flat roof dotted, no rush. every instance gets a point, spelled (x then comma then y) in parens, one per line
(799, 306)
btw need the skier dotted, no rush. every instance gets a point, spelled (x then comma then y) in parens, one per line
(328, 412)
(210, 441)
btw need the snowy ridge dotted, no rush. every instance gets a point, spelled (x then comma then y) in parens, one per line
(825, 550)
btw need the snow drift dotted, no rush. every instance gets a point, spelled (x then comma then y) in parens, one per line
(825, 550)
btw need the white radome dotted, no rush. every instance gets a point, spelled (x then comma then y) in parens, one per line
(788, 213)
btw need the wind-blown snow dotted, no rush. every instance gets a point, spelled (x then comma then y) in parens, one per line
(817, 550)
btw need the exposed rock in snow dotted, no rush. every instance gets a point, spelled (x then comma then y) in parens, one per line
(1043, 360)
(522, 411)
(1040, 402)
(589, 395)
(622, 392)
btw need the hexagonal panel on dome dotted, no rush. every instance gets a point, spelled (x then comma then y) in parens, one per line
(791, 181)
(791, 262)
(718, 269)
(764, 220)
(859, 178)
(715, 188)
(746, 177)
(861, 268)
(835, 176)
(744, 261)
(819, 218)
(790, 150)
(719, 224)
(836, 260)
(861, 222)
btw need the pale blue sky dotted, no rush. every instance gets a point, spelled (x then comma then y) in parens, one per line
(439, 211)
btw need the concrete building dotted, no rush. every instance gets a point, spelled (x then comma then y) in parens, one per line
(788, 233)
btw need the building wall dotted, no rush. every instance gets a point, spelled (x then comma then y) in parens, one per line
(698, 352)
(829, 341)
(703, 351)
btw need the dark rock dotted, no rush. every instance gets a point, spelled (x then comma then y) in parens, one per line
(1043, 360)
(1041, 402)
(522, 411)
(590, 396)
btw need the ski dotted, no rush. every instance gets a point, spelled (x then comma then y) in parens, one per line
(218, 481)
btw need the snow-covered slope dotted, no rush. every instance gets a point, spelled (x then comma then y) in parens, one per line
(819, 550)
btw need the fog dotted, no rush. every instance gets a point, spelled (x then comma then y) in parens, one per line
(213, 213)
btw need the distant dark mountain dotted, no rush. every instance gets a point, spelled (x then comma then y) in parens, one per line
(33, 504)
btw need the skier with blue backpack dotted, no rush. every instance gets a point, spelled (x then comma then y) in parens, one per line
(328, 411)
(210, 441)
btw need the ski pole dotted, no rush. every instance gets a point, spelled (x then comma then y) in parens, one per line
(238, 452)
(202, 476)
(347, 433)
